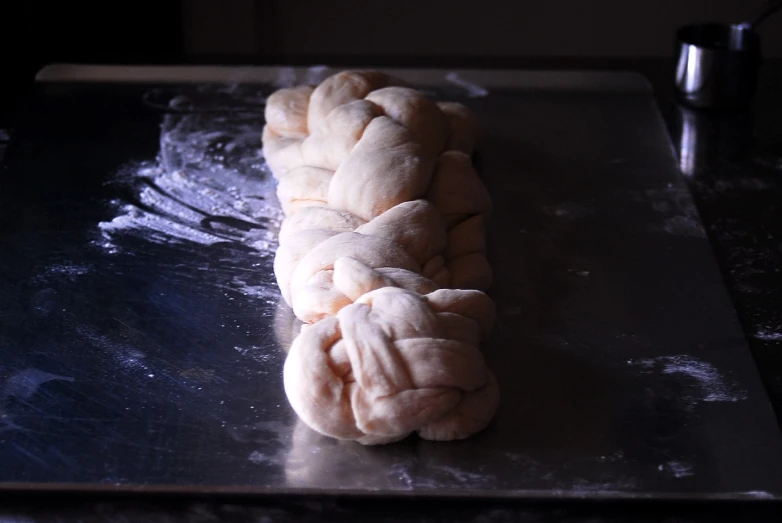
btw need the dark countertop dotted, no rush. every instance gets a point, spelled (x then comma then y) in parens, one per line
(733, 162)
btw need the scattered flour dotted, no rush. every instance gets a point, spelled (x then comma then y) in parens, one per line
(680, 216)
(678, 469)
(714, 387)
(581, 487)
(672, 199)
(256, 353)
(742, 184)
(68, 269)
(567, 210)
(463, 476)
(683, 226)
(759, 494)
(209, 184)
(61, 271)
(473, 90)
(269, 294)
(256, 457)
(769, 335)
(403, 476)
(125, 356)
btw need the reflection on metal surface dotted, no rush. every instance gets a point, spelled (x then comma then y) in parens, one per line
(688, 144)
(623, 367)
(688, 69)
(696, 133)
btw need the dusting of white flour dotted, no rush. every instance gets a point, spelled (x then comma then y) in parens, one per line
(683, 226)
(675, 204)
(714, 387)
(567, 210)
(677, 469)
(769, 334)
(62, 271)
(473, 90)
(209, 183)
(759, 494)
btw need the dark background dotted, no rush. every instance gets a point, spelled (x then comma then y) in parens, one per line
(495, 33)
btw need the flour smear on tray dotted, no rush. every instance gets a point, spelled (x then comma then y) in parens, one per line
(209, 184)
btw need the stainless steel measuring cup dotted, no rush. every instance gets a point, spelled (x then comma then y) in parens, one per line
(717, 64)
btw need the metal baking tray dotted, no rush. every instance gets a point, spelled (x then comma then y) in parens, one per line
(142, 334)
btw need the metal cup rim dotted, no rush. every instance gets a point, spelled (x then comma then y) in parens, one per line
(701, 35)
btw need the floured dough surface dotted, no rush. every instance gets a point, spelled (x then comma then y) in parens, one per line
(383, 257)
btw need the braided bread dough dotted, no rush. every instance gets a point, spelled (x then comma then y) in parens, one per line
(382, 256)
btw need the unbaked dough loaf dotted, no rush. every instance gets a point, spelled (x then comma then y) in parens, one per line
(382, 255)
